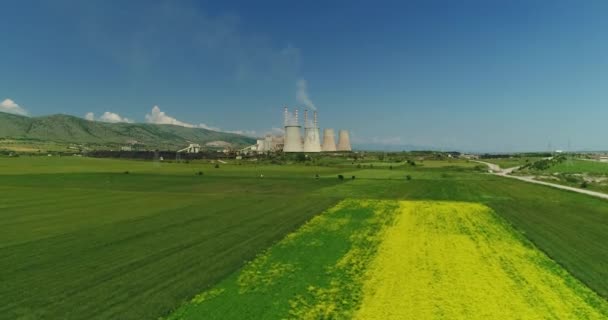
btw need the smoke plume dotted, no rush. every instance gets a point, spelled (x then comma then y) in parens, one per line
(302, 95)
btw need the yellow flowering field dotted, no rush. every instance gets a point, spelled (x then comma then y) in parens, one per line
(450, 260)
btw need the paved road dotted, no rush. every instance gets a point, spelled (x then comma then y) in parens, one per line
(496, 170)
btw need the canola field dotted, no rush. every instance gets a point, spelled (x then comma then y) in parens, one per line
(449, 260)
(388, 259)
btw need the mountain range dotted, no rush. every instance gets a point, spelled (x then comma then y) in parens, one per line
(66, 129)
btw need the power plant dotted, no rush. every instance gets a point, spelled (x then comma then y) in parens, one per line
(294, 141)
(311, 141)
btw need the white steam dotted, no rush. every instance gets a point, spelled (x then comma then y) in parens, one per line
(302, 95)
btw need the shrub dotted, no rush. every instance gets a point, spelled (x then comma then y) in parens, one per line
(340, 177)
(584, 185)
(481, 167)
(353, 177)
(408, 177)
(126, 172)
(200, 173)
(216, 166)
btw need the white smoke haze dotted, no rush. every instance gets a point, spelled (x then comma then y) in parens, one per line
(10, 106)
(90, 116)
(290, 118)
(302, 95)
(276, 131)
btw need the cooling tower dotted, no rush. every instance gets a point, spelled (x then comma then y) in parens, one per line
(312, 141)
(343, 141)
(293, 140)
(329, 140)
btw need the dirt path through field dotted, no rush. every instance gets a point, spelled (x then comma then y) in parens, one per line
(496, 170)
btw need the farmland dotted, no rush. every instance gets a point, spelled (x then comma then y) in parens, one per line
(459, 260)
(82, 239)
(400, 260)
(512, 161)
(572, 172)
(580, 166)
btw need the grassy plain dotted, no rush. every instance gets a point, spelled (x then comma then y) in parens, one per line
(580, 166)
(313, 273)
(511, 161)
(83, 240)
(108, 245)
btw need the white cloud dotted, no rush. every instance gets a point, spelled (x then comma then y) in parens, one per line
(251, 133)
(204, 126)
(113, 118)
(107, 117)
(302, 94)
(159, 117)
(9, 106)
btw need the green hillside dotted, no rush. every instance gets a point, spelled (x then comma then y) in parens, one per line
(65, 130)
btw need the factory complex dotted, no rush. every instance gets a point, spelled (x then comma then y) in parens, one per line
(294, 140)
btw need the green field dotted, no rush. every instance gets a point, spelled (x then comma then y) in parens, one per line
(511, 162)
(387, 259)
(83, 240)
(580, 166)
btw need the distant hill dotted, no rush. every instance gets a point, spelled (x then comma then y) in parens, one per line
(65, 129)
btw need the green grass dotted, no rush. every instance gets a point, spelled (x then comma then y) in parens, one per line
(580, 166)
(506, 163)
(94, 245)
(83, 240)
(322, 263)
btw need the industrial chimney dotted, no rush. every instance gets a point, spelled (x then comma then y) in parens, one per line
(329, 141)
(343, 141)
(293, 139)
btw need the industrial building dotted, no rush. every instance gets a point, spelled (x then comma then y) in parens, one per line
(191, 148)
(294, 141)
(270, 143)
(311, 141)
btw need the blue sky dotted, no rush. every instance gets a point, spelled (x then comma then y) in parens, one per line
(466, 75)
